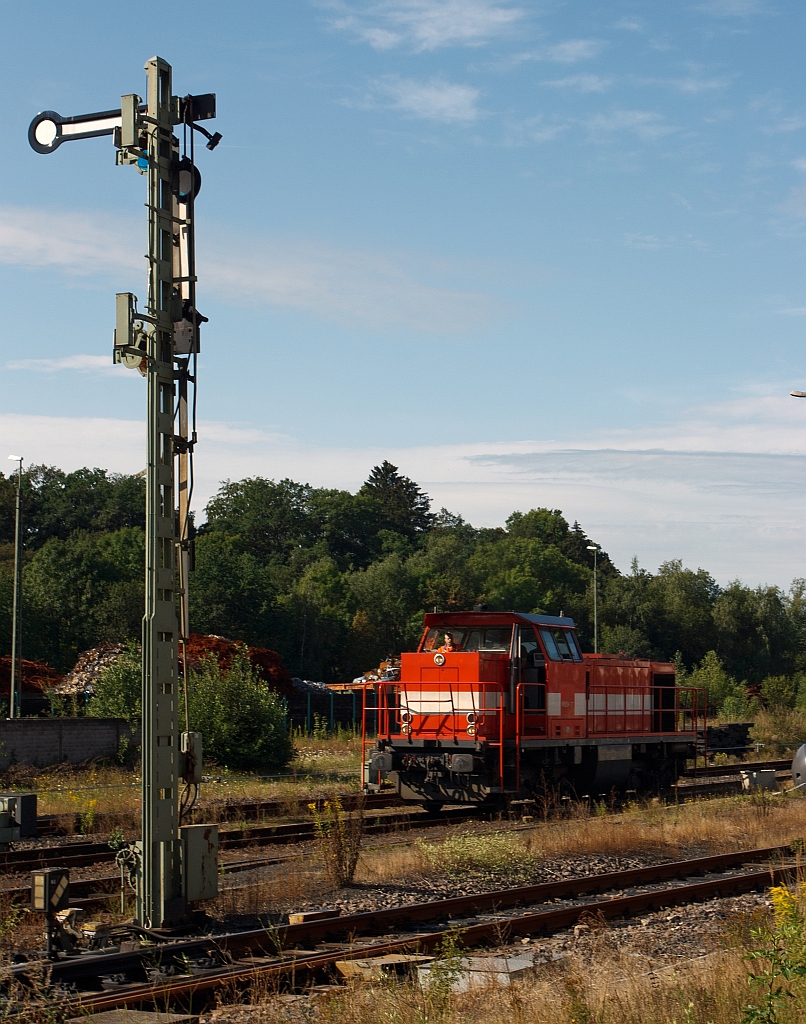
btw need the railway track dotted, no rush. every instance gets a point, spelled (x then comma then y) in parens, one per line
(174, 972)
(50, 825)
(84, 854)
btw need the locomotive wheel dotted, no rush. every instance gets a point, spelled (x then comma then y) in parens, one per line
(565, 790)
(432, 807)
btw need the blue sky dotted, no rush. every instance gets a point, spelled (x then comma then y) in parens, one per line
(535, 253)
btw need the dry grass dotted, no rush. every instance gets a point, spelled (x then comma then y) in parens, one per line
(780, 731)
(654, 830)
(607, 985)
(101, 798)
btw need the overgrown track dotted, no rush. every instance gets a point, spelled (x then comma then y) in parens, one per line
(83, 854)
(256, 811)
(191, 969)
(227, 811)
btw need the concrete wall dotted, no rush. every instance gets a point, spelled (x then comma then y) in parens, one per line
(46, 741)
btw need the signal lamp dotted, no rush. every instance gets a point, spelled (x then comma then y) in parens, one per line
(50, 890)
(189, 179)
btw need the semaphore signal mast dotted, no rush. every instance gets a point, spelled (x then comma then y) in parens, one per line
(173, 864)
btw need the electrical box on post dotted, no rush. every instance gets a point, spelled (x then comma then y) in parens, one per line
(9, 830)
(50, 890)
(190, 746)
(199, 861)
(22, 807)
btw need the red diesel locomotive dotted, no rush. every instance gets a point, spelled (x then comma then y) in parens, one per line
(496, 706)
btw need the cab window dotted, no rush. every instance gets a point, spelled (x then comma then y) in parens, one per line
(560, 644)
(530, 646)
(470, 638)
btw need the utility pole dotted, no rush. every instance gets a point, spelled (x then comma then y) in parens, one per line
(15, 680)
(595, 549)
(163, 344)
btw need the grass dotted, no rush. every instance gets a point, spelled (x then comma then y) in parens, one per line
(642, 830)
(602, 982)
(110, 795)
(780, 732)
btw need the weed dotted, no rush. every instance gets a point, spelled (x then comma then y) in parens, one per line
(116, 838)
(338, 839)
(480, 853)
(444, 971)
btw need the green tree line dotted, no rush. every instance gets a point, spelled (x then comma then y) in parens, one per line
(336, 581)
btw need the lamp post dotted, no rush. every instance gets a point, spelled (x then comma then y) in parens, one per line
(595, 549)
(15, 687)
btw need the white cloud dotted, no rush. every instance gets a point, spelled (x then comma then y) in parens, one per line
(733, 8)
(799, 164)
(722, 487)
(367, 290)
(82, 362)
(574, 50)
(692, 86)
(635, 240)
(360, 289)
(534, 129)
(630, 24)
(786, 125)
(76, 242)
(434, 100)
(582, 83)
(645, 123)
(425, 25)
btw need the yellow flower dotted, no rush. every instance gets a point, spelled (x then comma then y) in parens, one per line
(784, 902)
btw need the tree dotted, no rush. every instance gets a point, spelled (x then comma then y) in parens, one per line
(79, 591)
(404, 507)
(265, 519)
(526, 575)
(625, 640)
(720, 687)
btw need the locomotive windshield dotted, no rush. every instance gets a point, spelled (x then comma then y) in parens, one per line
(470, 638)
(560, 644)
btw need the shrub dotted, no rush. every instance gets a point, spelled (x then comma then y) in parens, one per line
(241, 720)
(118, 688)
(779, 691)
(720, 687)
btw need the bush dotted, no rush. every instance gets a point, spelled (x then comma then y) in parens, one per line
(725, 695)
(118, 688)
(779, 691)
(240, 718)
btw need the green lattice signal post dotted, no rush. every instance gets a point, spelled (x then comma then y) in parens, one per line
(162, 343)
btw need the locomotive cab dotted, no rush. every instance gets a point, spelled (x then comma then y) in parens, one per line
(497, 706)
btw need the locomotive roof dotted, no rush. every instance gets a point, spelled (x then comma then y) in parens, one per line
(495, 619)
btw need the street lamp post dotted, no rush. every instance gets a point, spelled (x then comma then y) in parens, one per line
(15, 687)
(595, 549)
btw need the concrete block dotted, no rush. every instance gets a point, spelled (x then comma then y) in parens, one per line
(480, 971)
